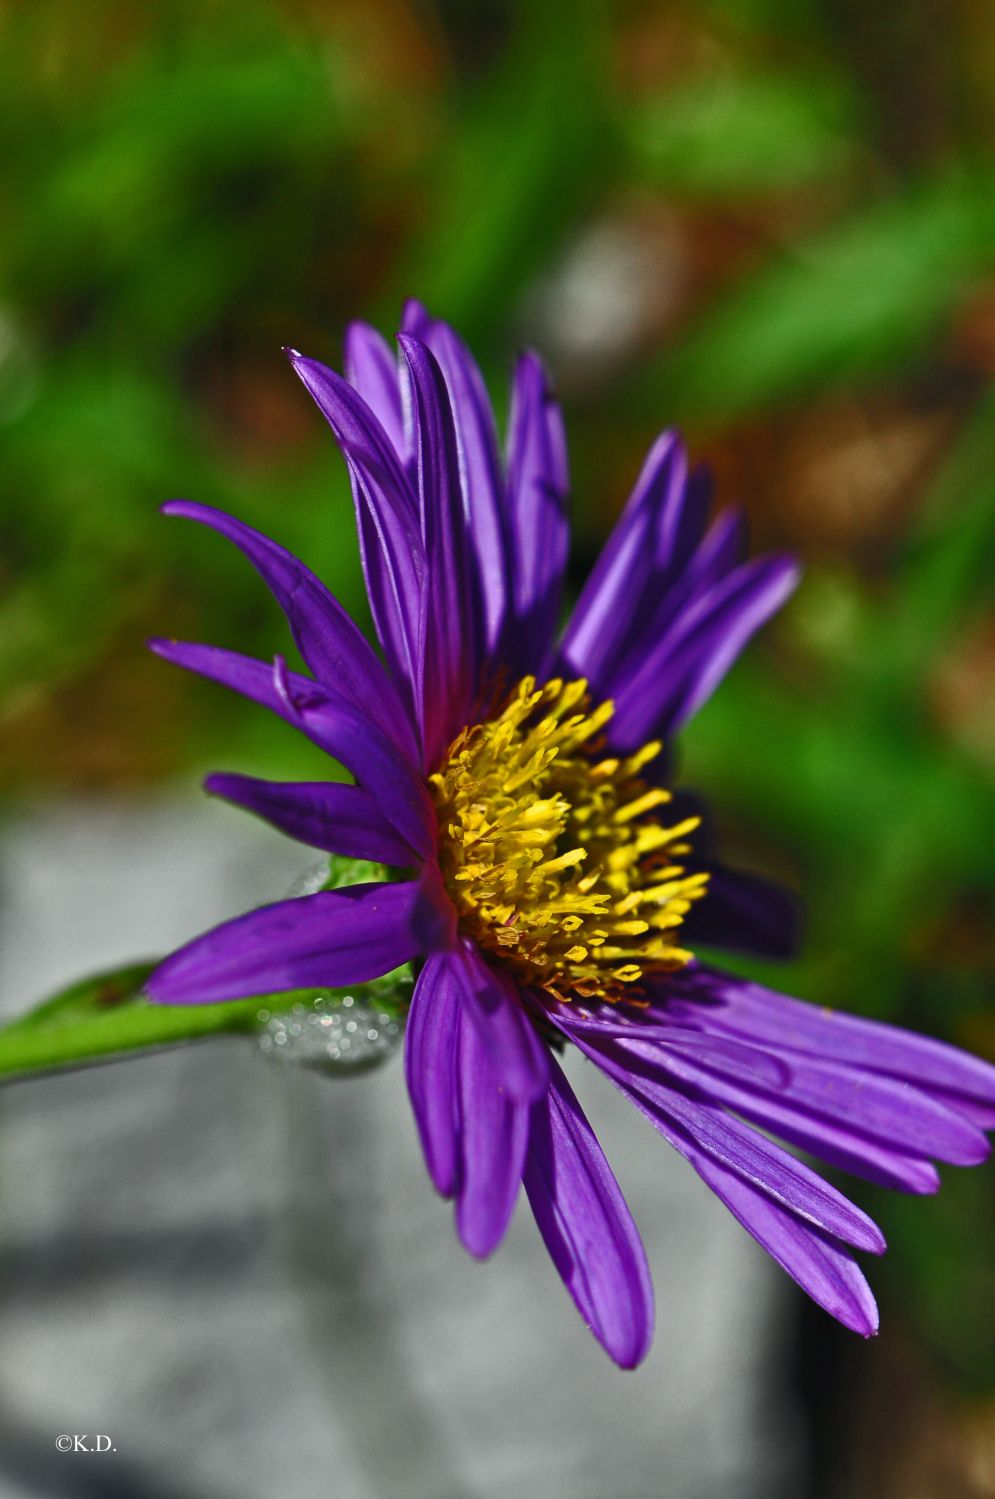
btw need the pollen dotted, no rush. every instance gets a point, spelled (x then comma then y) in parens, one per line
(556, 856)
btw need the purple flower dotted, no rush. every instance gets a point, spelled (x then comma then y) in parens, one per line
(549, 883)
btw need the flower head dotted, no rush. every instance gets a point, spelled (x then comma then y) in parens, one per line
(552, 852)
(551, 886)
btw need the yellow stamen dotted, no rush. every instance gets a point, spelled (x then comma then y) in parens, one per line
(555, 859)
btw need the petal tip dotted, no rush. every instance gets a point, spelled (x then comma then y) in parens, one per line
(150, 990)
(480, 1250)
(628, 1355)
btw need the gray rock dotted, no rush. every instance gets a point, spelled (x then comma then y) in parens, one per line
(242, 1275)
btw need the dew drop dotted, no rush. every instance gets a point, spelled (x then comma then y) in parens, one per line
(332, 1038)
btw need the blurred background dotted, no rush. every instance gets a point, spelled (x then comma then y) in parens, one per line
(771, 222)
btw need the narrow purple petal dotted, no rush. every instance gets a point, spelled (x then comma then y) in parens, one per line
(683, 1121)
(758, 1086)
(892, 1111)
(454, 622)
(689, 660)
(782, 1211)
(767, 1166)
(657, 568)
(492, 1003)
(586, 1225)
(889, 1110)
(832, 1141)
(334, 648)
(680, 582)
(680, 527)
(325, 814)
(390, 539)
(823, 1268)
(334, 938)
(743, 912)
(668, 1041)
(473, 1132)
(371, 367)
(430, 1067)
(481, 478)
(334, 724)
(683, 575)
(764, 1016)
(538, 533)
(979, 1113)
(730, 620)
(722, 549)
(614, 595)
(494, 1134)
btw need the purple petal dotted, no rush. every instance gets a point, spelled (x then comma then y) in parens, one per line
(980, 1114)
(454, 623)
(683, 1121)
(586, 1225)
(538, 533)
(689, 660)
(743, 912)
(334, 938)
(430, 1066)
(654, 572)
(891, 1111)
(331, 722)
(493, 1005)
(767, 1017)
(679, 583)
(493, 1136)
(722, 549)
(334, 648)
(371, 367)
(725, 626)
(821, 1267)
(768, 1167)
(473, 1133)
(390, 539)
(340, 819)
(668, 1041)
(832, 1141)
(614, 596)
(680, 527)
(481, 480)
(759, 1087)
(786, 1228)
(709, 559)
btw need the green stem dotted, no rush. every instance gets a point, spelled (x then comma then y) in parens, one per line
(107, 1016)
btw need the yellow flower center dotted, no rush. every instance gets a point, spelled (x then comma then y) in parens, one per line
(555, 859)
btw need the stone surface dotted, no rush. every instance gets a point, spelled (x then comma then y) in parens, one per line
(241, 1273)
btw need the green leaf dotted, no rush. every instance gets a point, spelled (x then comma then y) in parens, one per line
(863, 296)
(527, 147)
(947, 570)
(718, 134)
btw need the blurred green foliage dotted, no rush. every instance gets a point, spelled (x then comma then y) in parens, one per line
(808, 191)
